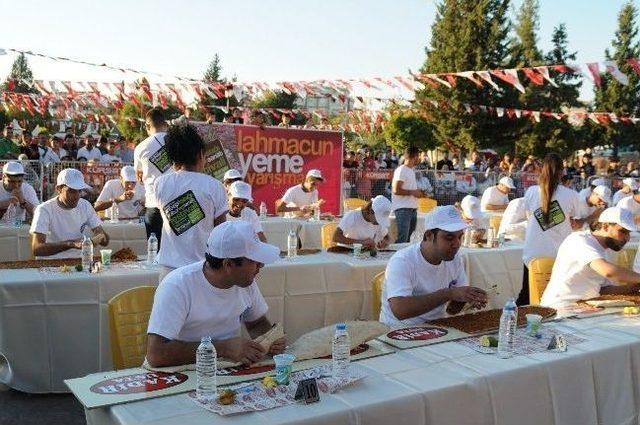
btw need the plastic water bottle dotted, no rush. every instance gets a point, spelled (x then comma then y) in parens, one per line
(263, 210)
(114, 212)
(206, 370)
(152, 249)
(316, 213)
(9, 216)
(292, 244)
(87, 254)
(341, 351)
(508, 325)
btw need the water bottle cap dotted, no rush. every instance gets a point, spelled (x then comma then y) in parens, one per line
(205, 339)
(341, 327)
(153, 235)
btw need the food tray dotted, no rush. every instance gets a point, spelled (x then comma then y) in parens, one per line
(489, 320)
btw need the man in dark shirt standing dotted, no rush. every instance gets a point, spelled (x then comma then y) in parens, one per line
(445, 161)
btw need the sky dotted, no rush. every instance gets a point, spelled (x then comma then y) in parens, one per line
(260, 40)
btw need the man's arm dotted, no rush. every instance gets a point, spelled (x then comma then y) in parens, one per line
(262, 326)
(282, 207)
(398, 190)
(629, 279)
(339, 237)
(220, 219)
(408, 307)
(262, 237)
(41, 248)
(495, 207)
(100, 236)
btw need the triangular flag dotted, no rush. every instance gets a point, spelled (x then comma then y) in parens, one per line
(486, 76)
(635, 64)
(500, 112)
(469, 75)
(594, 69)
(534, 76)
(509, 76)
(612, 68)
(438, 79)
(544, 71)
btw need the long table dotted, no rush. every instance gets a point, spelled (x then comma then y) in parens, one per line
(594, 382)
(54, 326)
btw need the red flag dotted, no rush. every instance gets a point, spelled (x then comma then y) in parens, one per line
(535, 77)
(594, 69)
(635, 64)
(451, 78)
(509, 76)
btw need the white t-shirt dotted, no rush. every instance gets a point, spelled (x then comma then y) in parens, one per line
(407, 176)
(152, 159)
(28, 193)
(110, 158)
(545, 243)
(354, 226)
(94, 153)
(571, 278)
(48, 156)
(630, 204)
(514, 220)
(409, 274)
(187, 307)
(585, 210)
(619, 195)
(466, 186)
(127, 209)
(188, 202)
(584, 193)
(493, 196)
(249, 215)
(295, 196)
(60, 224)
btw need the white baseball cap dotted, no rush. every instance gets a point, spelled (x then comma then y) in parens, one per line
(604, 193)
(232, 174)
(128, 174)
(71, 178)
(237, 239)
(471, 207)
(13, 168)
(382, 209)
(315, 173)
(598, 182)
(240, 190)
(617, 215)
(507, 181)
(632, 183)
(446, 217)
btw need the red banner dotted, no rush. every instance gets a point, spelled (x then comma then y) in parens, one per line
(273, 159)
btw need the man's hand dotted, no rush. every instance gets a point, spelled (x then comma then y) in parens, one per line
(242, 350)
(14, 200)
(469, 294)
(383, 243)
(369, 243)
(100, 239)
(17, 193)
(77, 244)
(278, 346)
(418, 193)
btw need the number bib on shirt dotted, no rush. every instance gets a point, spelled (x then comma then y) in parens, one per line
(556, 216)
(161, 160)
(183, 213)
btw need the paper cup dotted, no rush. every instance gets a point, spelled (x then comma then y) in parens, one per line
(284, 363)
(533, 324)
(105, 256)
(357, 249)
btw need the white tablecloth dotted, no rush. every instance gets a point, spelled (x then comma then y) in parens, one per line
(276, 229)
(66, 315)
(595, 382)
(15, 243)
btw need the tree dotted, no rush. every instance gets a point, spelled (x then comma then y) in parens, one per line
(612, 96)
(278, 100)
(406, 128)
(468, 35)
(20, 79)
(213, 74)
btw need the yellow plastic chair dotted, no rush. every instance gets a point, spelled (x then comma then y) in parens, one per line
(353, 203)
(626, 257)
(128, 318)
(377, 283)
(539, 275)
(426, 204)
(494, 221)
(326, 234)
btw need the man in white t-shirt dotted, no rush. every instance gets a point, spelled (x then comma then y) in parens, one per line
(239, 199)
(150, 159)
(472, 213)
(59, 224)
(302, 199)
(191, 202)
(422, 278)
(89, 152)
(584, 193)
(514, 220)
(125, 192)
(405, 194)
(629, 186)
(632, 203)
(231, 176)
(214, 298)
(582, 270)
(110, 155)
(14, 191)
(368, 225)
(593, 204)
(496, 198)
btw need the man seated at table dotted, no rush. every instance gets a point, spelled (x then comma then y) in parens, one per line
(514, 220)
(592, 205)
(592, 185)
(59, 223)
(14, 191)
(496, 198)
(214, 297)
(302, 199)
(231, 176)
(368, 225)
(239, 198)
(629, 185)
(125, 192)
(472, 213)
(632, 203)
(422, 278)
(582, 269)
